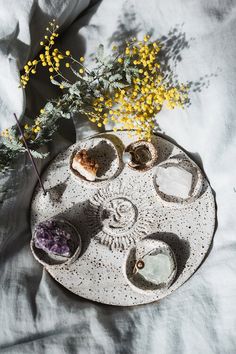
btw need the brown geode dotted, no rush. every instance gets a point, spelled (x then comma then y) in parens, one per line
(144, 155)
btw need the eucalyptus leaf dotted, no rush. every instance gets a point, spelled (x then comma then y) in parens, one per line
(115, 77)
(119, 85)
(66, 115)
(39, 155)
(66, 84)
(49, 107)
(128, 78)
(13, 145)
(55, 82)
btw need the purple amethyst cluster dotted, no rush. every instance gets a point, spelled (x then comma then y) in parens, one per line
(56, 237)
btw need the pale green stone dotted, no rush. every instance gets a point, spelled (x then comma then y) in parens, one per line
(158, 268)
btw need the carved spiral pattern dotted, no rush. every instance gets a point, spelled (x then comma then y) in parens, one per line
(118, 214)
(116, 219)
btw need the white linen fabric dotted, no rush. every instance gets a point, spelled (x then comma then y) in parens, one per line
(37, 315)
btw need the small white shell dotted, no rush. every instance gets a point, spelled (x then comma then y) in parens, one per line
(127, 157)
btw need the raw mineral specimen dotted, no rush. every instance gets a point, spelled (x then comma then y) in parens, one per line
(174, 181)
(55, 237)
(157, 268)
(143, 155)
(86, 166)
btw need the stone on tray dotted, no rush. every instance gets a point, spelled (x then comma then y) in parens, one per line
(157, 268)
(86, 166)
(143, 155)
(174, 181)
(54, 237)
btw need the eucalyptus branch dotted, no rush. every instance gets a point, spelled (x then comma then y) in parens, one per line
(129, 88)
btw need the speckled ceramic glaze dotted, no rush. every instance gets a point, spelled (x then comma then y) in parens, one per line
(119, 219)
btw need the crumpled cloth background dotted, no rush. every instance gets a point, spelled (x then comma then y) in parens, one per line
(37, 315)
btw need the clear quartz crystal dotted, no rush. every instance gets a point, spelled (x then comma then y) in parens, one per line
(174, 181)
(157, 268)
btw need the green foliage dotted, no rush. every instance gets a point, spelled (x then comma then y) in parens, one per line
(107, 75)
(110, 77)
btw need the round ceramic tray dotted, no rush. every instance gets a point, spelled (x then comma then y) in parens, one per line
(103, 270)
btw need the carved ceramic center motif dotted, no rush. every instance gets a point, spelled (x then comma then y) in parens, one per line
(119, 215)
